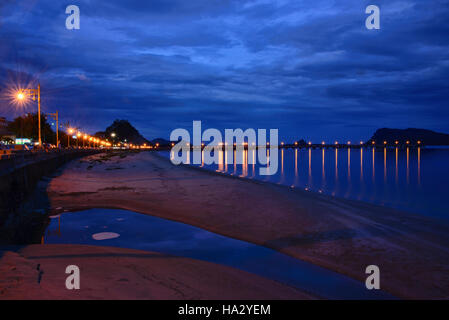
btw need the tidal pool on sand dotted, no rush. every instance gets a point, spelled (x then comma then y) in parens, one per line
(127, 229)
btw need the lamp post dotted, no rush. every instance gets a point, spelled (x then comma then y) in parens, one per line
(113, 135)
(78, 135)
(21, 95)
(55, 117)
(70, 131)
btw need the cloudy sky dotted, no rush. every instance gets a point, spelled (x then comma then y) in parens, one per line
(309, 68)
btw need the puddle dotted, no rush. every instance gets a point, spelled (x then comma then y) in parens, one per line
(132, 230)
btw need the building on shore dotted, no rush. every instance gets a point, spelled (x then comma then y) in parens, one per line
(6, 137)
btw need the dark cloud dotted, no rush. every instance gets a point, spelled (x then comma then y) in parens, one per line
(309, 68)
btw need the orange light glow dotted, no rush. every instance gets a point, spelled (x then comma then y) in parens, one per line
(20, 96)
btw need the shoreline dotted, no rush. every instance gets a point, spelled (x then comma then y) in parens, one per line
(118, 273)
(347, 250)
(315, 193)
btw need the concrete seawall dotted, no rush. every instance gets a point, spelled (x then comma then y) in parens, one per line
(22, 204)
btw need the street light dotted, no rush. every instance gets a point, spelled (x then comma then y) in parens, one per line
(21, 95)
(78, 135)
(68, 137)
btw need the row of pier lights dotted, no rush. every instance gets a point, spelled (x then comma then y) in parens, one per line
(92, 142)
(336, 144)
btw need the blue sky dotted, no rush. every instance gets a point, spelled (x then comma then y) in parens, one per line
(309, 68)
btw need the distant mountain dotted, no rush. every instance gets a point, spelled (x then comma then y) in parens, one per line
(427, 137)
(123, 131)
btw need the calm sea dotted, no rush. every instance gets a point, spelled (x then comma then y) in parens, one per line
(411, 179)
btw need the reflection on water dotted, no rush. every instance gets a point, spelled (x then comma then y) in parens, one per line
(413, 179)
(126, 229)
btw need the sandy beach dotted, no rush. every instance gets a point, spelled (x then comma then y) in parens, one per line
(411, 251)
(115, 273)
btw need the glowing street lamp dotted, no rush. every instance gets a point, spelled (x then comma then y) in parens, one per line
(21, 96)
(78, 135)
(70, 130)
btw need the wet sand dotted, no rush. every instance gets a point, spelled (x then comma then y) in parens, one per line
(116, 273)
(346, 236)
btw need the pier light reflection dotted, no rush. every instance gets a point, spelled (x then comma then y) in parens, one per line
(220, 160)
(396, 167)
(202, 158)
(419, 166)
(282, 162)
(296, 166)
(408, 166)
(349, 164)
(245, 163)
(323, 171)
(336, 164)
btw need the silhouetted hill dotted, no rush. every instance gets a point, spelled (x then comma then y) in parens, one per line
(427, 137)
(123, 130)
